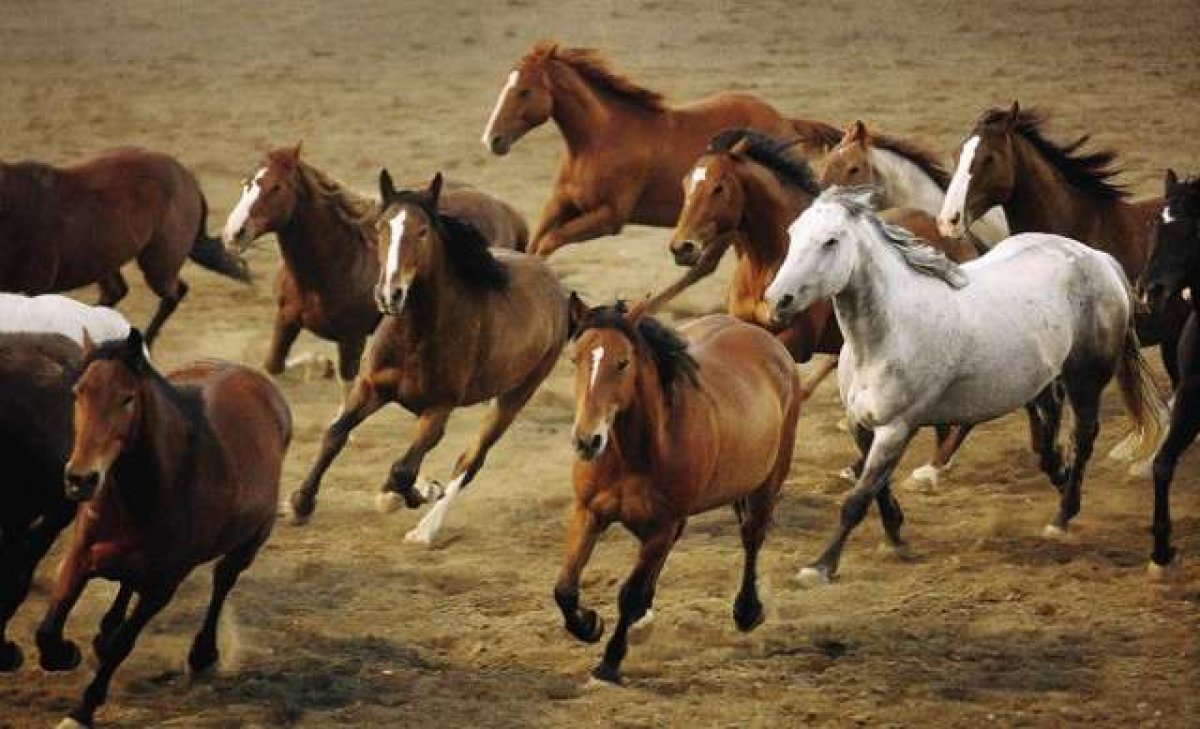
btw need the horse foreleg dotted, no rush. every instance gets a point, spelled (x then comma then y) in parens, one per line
(113, 288)
(94, 695)
(349, 360)
(1185, 424)
(605, 220)
(755, 517)
(167, 303)
(20, 556)
(583, 530)
(557, 209)
(111, 621)
(54, 652)
(887, 445)
(283, 336)
(431, 426)
(364, 401)
(636, 595)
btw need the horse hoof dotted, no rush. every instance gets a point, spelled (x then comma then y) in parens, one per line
(70, 723)
(1054, 531)
(899, 550)
(813, 577)
(65, 657)
(610, 675)
(11, 657)
(202, 663)
(926, 475)
(590, 628)
(1161, 572)
(302, 508)
(417, 535)
(847, 474)
(640, 631)
(388, 501)
(748, 615)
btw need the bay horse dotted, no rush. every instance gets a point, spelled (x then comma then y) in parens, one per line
(170, 473)
(626, 148)
(668, 425)
(930, 342)
(907, 175)
(1045, 186)
(1175, 266)
(37, 371)
(66, 227)
(330, 261)
(463, 324)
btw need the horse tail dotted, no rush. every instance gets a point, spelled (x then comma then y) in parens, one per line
(816, 136)
(211, 254)
(1142, 401)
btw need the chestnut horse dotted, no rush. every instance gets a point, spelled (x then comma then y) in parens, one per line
(666, 426)
(626, 149)
(1175, 266)
(36, 374)
(906, 174)
(66, 227)
(330, 261)
(170, 473)
(464, 324)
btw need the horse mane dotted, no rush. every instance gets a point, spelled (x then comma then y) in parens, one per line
(470, 256)
(770, 153)
(352, 210)
(593, 66)
(1090, 172)
(187, 399)
(927, 161)
(668, 350)
(916, 252)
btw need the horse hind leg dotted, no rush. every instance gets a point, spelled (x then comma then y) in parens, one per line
(113, 289)
(1045, 421)
(1083, 392)
(204, 654)
(169, 297)
(15, 581)
(755, 517)
(1185, 424)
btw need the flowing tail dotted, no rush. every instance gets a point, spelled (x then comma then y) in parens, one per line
(816, 137)
(211, 254)
(1145, 407)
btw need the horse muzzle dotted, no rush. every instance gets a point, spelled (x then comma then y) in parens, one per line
(81, 486)
(686, 252)
(499, 144)
(952, 226)
(391, 302)
(589, 447)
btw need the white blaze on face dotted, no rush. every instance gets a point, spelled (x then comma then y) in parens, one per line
(951, 219)
(698, 175)
(508, 87)
(1166, 215)
(396, 227)
(241, 211)
(597, 355)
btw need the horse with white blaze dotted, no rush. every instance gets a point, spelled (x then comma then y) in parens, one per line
(928, 342)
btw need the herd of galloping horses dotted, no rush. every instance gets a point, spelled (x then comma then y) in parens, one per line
(1024, 277)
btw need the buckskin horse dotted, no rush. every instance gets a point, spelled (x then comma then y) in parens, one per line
(930, 342)
(463, 324)
(668, 425)
(66, 227)
(626, 148)
(330, 261)
(170, 472)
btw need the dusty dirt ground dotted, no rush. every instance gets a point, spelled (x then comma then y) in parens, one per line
(342, 623)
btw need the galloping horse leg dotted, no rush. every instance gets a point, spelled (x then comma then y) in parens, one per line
(167, 304)
(755, 517)
(887, 445)
(1046, 412)
(605, 220)
(948, 439)
(55, 652)
(1084, 391)
(500, 416)
(431, 426)
(204, 654)
(891, 516)
(1185, 424)
(19, 557)
(636, 595)
(364, 401)
(556, 210)
(111, 621)
(582, 532)
(283, 336)
(148, 605)
(349, 360)
(113, 288)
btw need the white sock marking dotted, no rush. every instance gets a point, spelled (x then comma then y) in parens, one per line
(956, 194)
(487, 130)
(241, 211)
(427, 529)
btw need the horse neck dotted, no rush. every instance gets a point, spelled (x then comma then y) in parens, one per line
(1042, 199)
(318, 245)
(582, 112)
(640, 433)
(770, 207)
(905, 184)
(440, 302)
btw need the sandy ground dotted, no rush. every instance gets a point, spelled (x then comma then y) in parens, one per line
(342, 623)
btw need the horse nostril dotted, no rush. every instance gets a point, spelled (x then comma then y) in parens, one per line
(786, 301)
(955, 218)
(594, 444)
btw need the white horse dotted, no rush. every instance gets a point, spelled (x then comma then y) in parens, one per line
(929, 342)
(63, 315)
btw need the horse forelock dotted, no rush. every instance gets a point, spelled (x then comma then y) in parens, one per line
(667, 349)
(467, 249)
(771, 153)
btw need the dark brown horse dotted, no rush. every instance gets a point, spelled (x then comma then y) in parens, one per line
(626, 148)
(666, 426)
(330, 261)
(170, 473)
(465, 324)
(36, 374)
(66, 227)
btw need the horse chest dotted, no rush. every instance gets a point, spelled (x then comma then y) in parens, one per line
(872, 394)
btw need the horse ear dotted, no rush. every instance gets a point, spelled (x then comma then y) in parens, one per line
(1171, 181)
(859, 132)
(387, 189)
(637, 312)
(434, 191)
(135, 350)
(296, 150)
(89, 344)
(576, 312)
(1013, 112)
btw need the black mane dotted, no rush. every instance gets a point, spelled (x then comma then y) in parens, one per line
(668, 349)
(770, 153)
(186, 398)
(1090, 172)
(468, 251)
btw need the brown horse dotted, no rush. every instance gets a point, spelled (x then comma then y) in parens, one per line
(626, 149)
(744, 192)
(464, 325)
(170, 473)
(668, 425)
(330, 261)
(36, 374)
(66, 227)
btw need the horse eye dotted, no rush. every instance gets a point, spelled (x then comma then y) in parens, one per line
(719, 189)
(127, 403)
(622, 365)
(830, 243)
(523, 94)
(854, 170)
